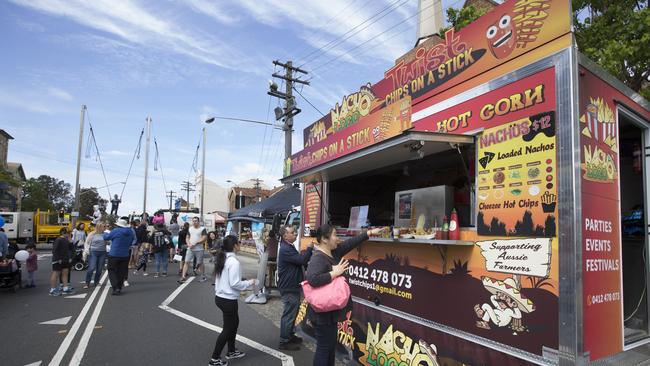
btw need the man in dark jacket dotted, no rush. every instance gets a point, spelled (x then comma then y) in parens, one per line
(290, 274)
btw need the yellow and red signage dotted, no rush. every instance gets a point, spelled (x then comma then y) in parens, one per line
(375, 127)
(511, 30)
(601, 220)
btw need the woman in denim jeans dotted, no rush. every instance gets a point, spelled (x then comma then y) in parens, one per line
(95, 250)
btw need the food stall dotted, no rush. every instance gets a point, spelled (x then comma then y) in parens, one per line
(512, 173)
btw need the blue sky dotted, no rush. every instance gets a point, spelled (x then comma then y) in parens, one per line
(179, 61)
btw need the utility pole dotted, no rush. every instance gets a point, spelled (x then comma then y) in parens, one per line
(258, 187)
(171, 196)
(202, 177)
(290, 109)
(187, 187)
(146, 164)
(76, 185)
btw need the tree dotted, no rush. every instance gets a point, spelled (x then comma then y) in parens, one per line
(616, 35)
(459, 18)
(46, 193)
(7, 177)
(88, 197)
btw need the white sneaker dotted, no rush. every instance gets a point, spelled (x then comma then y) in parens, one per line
(126, 284)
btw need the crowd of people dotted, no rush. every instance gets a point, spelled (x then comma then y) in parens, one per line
(130, 245)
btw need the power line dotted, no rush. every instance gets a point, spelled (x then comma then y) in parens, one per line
(330, 20)
(307, 100)
(99, 157)
(333, 43)
(136, 154)
(378, 35)
(362, 51)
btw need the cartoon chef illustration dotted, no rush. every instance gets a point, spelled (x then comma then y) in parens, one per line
(517, 28)
(507, 305)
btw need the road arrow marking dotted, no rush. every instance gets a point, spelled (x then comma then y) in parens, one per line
(67, 341)
(284, 358)
(38, 363)
(60, 321)
(80, 296)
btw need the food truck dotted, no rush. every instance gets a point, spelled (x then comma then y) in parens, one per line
(512, 172)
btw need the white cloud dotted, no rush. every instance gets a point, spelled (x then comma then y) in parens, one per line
(213, 9)
(116, 153)
(12, 100)
(321, 22)
(59, 93)
(138, 25)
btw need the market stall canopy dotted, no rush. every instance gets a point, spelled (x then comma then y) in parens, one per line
(218, 219)
(408, 146)
(280, 202)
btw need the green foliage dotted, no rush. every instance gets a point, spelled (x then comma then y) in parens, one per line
(46, 193)
(459, 18)
(7, 177)
(616, 35)
(88, 197)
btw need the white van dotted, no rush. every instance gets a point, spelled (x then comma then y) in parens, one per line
(19, 226)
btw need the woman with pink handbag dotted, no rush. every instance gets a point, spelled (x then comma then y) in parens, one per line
(323, 271)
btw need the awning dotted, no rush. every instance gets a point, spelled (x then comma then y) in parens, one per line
(280, 202)
(218, 219)
(385, 153)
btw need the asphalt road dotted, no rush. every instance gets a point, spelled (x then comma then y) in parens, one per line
(154, 322)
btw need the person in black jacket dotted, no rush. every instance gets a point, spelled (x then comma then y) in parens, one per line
(322, 269)
(61, 263)
(290, 275)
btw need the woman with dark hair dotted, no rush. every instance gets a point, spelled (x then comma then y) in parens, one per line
(182, 245)
(227, 287)
(322, 269)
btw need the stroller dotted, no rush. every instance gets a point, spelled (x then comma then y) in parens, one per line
(10, 275)
(78, 262)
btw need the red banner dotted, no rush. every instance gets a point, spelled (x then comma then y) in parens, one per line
(601, 210)
(509, 31)
(311, 209)
(375, 127)
(526, 97)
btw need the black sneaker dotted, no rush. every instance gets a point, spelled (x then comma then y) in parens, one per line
(217, 362)
(295, 339)
(235, 354)
(182, 280)
(289, 346)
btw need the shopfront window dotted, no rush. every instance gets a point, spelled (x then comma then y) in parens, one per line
(633, 139)
(377, 189)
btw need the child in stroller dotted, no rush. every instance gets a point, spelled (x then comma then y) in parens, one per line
(10, 276)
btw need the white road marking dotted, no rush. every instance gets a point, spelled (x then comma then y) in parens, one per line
(60, 321)
(285, 359)
(80, 296)
(85, 337)
(37, 363)
(60, 353)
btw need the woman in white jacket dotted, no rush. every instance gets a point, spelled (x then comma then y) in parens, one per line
(228, 285)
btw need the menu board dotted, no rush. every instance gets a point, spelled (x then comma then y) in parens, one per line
(517, 178)
(312, 208)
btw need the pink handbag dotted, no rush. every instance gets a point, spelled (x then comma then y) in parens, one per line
(333, 296)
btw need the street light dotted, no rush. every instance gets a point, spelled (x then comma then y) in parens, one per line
(207, 121)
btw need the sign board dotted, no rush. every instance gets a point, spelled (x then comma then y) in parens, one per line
(509, 31)
(528, 257)
(312, 207)
(601, 209)
(369, 130)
